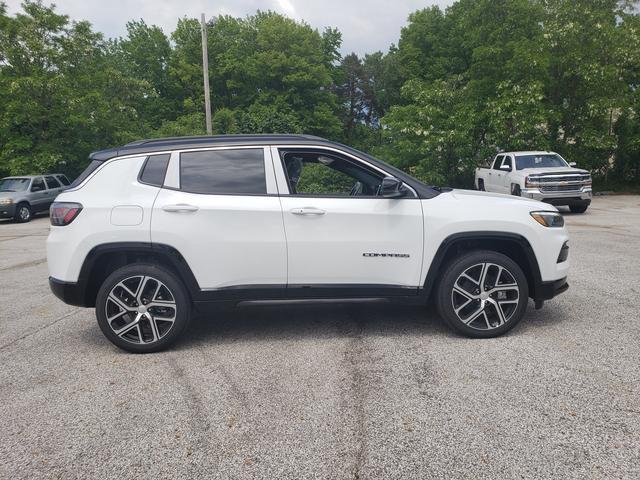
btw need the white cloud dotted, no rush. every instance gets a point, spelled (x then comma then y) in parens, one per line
(366, 25)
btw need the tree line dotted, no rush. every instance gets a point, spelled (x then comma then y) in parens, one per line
(462, 84)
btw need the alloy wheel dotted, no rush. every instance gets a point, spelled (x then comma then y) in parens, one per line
(140, 309)
(24, 213)
(485, 296)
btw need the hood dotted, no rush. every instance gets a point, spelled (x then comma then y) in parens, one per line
(553, 170)
(9, 194)
(499, 199)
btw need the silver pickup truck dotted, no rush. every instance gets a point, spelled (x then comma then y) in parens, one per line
(544, 176)
(22, 196)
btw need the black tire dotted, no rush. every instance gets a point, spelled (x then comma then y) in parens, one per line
(578, 208)
(513, 312)
(481, 185)
(515, 190)
(165, 332)
(23, 213)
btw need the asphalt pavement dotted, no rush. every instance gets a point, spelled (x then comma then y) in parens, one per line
(331, 391)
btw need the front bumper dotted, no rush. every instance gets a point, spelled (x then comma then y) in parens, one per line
(8, 210)
(548, 290)
(70, 293)
(572, 197)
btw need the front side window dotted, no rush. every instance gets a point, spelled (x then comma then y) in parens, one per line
(223, 172)
(52, 182)
(546, 160)
(326, 174)
(38, 185)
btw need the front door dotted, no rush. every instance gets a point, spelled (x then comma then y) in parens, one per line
(340, 231)
(39, 195)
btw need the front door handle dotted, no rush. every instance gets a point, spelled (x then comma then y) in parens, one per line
(180, 208)
(307, 211)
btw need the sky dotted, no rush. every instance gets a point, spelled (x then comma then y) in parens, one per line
(366, 25)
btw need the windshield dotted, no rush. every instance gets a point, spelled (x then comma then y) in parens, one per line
(544, 160)
(14, 184)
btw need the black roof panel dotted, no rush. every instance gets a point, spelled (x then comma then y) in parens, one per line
(144, 147)
(178, 143)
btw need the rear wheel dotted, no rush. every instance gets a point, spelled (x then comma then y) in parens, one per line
(23, 213)
(578, 208)
(142, 308)
(481, 185)
(483, 294)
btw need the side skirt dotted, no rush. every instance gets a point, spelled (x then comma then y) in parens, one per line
(275, 293)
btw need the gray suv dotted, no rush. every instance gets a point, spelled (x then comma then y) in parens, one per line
(23, 196)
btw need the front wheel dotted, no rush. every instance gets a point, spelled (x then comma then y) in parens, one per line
(23, 213)
(483, 294)
(515, 190)
(142, 308)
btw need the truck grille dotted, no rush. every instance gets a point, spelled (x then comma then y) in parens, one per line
(561, 188)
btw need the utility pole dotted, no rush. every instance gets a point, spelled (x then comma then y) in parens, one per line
(205, 73)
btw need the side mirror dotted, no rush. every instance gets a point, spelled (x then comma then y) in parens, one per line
(392, 188)
(506, 168)
(572, 164)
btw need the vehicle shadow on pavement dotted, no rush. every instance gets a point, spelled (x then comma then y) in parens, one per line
(280, 322)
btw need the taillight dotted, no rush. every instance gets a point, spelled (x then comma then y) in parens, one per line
(63, 213)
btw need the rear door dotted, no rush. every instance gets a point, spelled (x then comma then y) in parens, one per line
(220, 209)
(491, 178)
(506, 174)
(54, 187)
(340, 232)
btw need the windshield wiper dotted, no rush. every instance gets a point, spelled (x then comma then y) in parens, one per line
(441, 189)
(3, 190)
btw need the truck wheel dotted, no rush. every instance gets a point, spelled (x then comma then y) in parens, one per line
(481, 185)
(482, 294)
(23, 213)
(578, 208)
(515, 190)
(142, 308)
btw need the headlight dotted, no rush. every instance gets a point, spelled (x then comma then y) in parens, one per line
(548, 219)
(531, 182)
(6, 201)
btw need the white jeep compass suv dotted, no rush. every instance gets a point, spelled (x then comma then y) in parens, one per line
(157, 227)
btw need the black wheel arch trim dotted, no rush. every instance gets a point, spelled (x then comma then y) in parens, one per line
(170, 256)
(536, 290)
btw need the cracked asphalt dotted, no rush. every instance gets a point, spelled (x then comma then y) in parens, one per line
(347, 391)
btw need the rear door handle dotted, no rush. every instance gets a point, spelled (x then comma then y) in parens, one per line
(307, 211)
(180, 208)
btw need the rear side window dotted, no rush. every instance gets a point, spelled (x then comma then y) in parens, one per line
(498, 162)
(154, 169)
(223, 172)
(52, 182)
(87, 171)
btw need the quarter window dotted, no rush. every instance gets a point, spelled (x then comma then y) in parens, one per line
(63, 179)
(223, 172)
(154, 169)
(52, 182)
